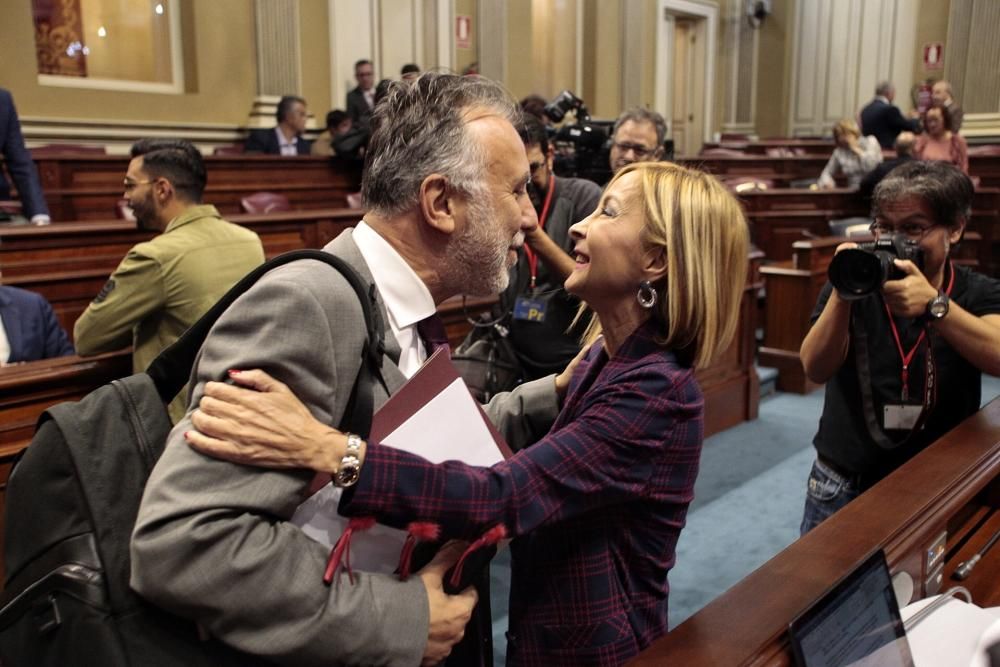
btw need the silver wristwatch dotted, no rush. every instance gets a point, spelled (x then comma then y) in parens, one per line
(350, 465)
(937, 307)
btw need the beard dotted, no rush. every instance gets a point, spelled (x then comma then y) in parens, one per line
(145, 215)
(478, 260)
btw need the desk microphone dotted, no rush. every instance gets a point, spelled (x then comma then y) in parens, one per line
(965, 568)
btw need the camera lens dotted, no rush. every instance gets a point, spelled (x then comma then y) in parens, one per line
(857, 273)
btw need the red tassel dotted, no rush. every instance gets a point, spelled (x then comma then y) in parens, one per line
(342, 549)
(418, 531)
(491, 536)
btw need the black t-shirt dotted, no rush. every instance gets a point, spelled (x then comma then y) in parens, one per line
(843, 438)
(546, 347)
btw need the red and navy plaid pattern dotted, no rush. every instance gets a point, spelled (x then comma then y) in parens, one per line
(597, 506)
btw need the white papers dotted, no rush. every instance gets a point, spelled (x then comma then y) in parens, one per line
(950, 635)
(449, 427)
(434, 416)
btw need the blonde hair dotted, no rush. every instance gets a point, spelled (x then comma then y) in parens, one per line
(701, 229)
(846, 126)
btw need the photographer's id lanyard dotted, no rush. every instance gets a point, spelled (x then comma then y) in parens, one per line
(906, 415)
(530, 307)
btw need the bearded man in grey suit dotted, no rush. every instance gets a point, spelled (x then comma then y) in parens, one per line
(445, 189)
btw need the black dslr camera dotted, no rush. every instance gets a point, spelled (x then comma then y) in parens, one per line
(581, 148)
(858, 272)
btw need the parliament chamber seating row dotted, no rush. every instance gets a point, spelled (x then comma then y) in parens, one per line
(88, 187)
(949, 492)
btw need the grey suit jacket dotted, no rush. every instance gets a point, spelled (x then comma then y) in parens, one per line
(212, 542)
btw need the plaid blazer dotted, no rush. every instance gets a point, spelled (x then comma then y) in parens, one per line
(596, 506)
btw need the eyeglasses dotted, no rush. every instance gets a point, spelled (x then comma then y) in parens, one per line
(638, 150)
(132, 185)
(912, 231)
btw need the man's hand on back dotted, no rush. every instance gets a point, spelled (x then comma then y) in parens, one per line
(448, 613)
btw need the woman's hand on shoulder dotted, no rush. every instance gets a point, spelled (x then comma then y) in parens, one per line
(563, 379)
(258, 421)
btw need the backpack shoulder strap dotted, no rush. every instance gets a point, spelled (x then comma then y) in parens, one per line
(172, 368)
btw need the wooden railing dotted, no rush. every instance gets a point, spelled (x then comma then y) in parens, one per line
(952, 488)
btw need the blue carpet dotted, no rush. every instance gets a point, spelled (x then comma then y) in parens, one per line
(747, 506)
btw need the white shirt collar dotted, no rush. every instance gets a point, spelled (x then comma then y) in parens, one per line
(883, 98)
(406, 298)
(286, 146)
(4, 344)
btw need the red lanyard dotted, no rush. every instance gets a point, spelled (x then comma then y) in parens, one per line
(908, 356)
(532, 257)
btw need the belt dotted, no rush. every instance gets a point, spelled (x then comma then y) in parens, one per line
(857, 480)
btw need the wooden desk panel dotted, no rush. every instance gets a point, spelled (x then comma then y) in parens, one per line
(87, 187)
(956, 478)
(69, 262)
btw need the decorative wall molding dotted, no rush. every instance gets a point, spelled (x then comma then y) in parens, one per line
(279, 56)
(841, 50)
(663, 68)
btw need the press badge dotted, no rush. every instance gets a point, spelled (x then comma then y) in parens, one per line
(901, 416)
(529, 309)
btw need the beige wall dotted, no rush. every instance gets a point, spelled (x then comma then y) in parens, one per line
(616, 60)
(314, 41)
(774, 69)
(220, 89)
(932, 26)
(463, 57)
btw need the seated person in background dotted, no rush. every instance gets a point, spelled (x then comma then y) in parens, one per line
(337, 123)
(942, 319)
(29, 330)
(597, 505)
(286, 137)
(904, 153)
(853, 157)
(409, 72)
(542, 312)
(19, 164)
(164, 285)
(939, 142)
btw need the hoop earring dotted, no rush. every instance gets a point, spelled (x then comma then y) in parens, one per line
(646, 296)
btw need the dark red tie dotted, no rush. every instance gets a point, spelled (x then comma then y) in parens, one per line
(431, 331)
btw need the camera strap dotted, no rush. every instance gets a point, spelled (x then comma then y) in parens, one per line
(528, 252)
(862, 359)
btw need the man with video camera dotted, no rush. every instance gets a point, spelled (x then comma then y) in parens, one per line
(900, 343)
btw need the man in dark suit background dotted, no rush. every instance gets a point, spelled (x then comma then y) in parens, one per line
(29, 330)
(285, 138)
(883, 120)
(361, 100)
(19, 164)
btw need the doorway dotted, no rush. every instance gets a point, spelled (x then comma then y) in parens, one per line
(684, 71)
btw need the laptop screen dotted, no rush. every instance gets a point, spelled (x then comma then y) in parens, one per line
(856, 624)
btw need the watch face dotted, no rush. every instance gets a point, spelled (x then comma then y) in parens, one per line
(347, 475)
(938, 307)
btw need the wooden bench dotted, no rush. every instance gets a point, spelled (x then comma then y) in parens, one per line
(69, 262)
(88, 187)
(950, 488)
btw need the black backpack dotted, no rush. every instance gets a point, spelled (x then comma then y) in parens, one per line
(73, 497)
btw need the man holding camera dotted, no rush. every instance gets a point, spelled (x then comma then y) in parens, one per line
(901, 357)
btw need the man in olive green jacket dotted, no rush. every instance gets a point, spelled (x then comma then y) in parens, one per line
(164, 285)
